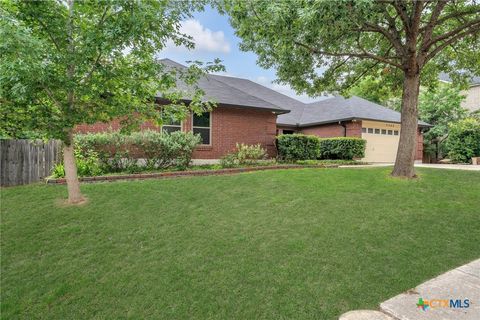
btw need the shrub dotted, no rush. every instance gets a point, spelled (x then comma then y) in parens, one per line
(464, 140)
(163, 150)
(119, 152)
(292, 147)
(228, 161)
(244, 155)
(88, 165)
(58, 171)
(249, 154)
(345, 148)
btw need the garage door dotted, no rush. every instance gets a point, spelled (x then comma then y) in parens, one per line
(382, 141)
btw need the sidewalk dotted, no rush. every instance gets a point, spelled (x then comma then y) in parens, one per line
(420, 165)
(457, 285)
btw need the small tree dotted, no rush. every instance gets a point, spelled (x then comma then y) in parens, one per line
(70, 62)
(464, 140)
(440, 108)
(400, 41)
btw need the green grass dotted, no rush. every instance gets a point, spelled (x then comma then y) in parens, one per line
(292, 244)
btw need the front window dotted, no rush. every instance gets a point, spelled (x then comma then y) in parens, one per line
(202, 126)
(171, 126)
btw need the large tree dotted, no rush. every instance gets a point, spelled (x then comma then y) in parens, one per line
(69, 62)
(407, 41)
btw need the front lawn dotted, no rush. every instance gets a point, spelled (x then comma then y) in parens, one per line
(292, 244)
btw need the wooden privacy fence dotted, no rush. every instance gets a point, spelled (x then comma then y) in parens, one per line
(25, 161)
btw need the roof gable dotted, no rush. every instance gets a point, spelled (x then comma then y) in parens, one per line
(222, 92)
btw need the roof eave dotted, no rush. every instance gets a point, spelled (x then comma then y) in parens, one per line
(220, 104)
(312, 124)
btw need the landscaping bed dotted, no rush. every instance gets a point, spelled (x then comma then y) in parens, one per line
(205, 170)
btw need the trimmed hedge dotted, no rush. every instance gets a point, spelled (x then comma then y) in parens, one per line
(293, 147)
(345, 148)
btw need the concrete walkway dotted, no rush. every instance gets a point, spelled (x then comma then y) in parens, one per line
(458, 285)
(420, 165)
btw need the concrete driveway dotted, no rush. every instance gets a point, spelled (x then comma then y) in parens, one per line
(422, 165)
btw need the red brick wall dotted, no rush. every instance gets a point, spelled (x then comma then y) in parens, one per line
(325, 130)
(232, 125)
(419, 153)
(229, 126)
(331, 130)
(354, 129)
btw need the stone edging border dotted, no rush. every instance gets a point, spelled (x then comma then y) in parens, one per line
(191, 173)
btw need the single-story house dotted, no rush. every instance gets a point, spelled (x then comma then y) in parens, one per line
(250, 113)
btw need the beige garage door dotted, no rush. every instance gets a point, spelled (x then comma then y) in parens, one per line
(382, 141)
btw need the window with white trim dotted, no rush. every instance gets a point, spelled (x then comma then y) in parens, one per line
(171, 126)
(202, 125)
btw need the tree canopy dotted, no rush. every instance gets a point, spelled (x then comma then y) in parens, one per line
(322, 45)
(352, 39)
(70, 62)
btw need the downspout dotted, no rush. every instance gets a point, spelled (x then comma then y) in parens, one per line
(344, 128)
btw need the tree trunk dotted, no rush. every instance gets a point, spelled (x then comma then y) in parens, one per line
(73, 185)
(408, 134)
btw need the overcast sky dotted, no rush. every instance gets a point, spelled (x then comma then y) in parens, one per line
(215, 38)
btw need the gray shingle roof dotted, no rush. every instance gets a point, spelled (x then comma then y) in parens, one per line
(473, 81)
(338, 108)
(242, 92)
(224, 92)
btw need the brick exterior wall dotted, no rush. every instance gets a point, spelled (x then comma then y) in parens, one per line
(232, 125)
(325, 130)
(419, 153)
(354, 129)
(330, 130)
(229, 125)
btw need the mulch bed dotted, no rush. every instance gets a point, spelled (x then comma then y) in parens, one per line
(176, 174)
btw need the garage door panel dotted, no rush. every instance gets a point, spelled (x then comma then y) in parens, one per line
(382, 144)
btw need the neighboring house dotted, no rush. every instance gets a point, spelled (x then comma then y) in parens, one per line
(250, 113)
(472, 94)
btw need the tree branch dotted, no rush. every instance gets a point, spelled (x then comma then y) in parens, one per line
(393, 28)
(451, 41)
(395, 42)
(352, 54)
(474, 23)
(44, 27)
(94, 66)
(361, 75)
(402, 12)
(428, 29)
(417, 13)
(457, 14)
(51, 96)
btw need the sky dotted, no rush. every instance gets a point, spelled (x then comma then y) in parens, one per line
(215, 38)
